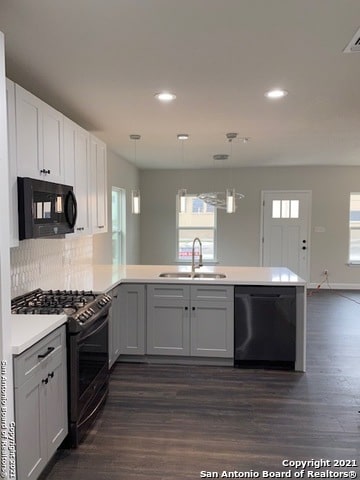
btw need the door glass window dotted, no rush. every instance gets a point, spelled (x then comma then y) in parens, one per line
(285, 209)
(294, 208)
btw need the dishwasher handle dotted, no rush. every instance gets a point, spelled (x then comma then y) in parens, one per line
(264, 292)
(265, 295)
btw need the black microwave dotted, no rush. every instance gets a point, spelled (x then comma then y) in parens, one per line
(46, 209)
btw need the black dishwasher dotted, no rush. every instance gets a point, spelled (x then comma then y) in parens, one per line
(265, 327)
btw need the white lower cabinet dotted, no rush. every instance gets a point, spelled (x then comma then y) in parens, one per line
(168, 321)
(190, 320)
(212, 331)
(40, 380)
(212, 321)
(132, 319)
(127, 321)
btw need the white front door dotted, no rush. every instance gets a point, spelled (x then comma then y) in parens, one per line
(286, 230)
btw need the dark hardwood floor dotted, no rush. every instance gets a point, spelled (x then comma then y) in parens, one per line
(172, 422)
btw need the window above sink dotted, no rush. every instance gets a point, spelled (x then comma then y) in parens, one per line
(198, 220)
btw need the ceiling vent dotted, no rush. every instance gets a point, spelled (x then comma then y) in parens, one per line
(354, 45)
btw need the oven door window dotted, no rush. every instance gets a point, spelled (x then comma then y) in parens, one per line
(93, 356)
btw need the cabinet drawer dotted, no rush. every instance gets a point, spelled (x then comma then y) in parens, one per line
(169, 291)
(29, 362)
(212, 292)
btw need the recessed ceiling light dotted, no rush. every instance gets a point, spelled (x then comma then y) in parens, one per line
(276, 93)
(165, 96)
(183, 136)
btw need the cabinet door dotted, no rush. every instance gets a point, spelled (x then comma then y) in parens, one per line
(101, 187)
(30, 424)
(98, 180)
(14, 222)
(53, 141)
(168, 326)
(40, 402)
(212, 329)
(76, 152)
(132, 319)
(28, 134)
(114, 326)
(56, 402)
(39, 138)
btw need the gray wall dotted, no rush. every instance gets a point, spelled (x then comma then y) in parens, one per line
(121, 174)
(239, 233)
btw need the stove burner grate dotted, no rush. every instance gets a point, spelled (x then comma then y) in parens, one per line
(52, 301)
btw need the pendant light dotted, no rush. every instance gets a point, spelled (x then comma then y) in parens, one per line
(225, 200)
(182, 191)
(182, 200)
(135, 193)
(230, 200)
(230, 192)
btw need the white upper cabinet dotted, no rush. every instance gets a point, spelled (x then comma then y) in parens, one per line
(76, 154)
(45, 145)
(13, 201)
(39, 138)
(98, 185)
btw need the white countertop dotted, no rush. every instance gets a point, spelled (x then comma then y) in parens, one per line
(102, 278)
(28, 329)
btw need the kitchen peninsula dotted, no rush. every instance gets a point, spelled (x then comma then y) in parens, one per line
(159, 314)
(134, 287)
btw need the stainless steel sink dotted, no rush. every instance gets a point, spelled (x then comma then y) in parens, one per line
(176, 275)
(208, 275)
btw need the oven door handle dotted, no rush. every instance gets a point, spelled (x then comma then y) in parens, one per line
(92, 332)
(94, 410)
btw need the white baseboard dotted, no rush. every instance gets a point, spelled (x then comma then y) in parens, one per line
(335, 286)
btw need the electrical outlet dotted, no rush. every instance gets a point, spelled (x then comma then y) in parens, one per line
(325, 271)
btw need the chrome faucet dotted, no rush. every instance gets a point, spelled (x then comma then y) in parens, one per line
(193, 266)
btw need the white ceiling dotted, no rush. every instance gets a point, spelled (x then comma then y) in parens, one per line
(101, 62)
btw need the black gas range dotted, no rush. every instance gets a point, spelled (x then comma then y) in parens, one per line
(51, 301)
(81, 306)
(87, 348)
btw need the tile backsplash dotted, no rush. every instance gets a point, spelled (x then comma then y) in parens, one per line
(45, 258)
